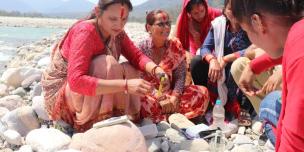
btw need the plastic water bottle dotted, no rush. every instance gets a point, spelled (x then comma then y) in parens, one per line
(218, 115)
(218, 143)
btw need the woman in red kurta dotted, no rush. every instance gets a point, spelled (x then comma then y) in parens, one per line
(85, 83)
(169, 54)
(277, 27)
(193, 23)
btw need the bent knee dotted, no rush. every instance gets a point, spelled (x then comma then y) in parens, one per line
(238, 66)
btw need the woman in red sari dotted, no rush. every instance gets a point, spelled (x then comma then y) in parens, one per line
(193, 23)
(169, 54)
(85, 82)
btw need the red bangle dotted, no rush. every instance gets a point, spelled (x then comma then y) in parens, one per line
(126, 86)
(153, 70)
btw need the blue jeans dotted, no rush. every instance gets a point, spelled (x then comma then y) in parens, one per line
(270, 112)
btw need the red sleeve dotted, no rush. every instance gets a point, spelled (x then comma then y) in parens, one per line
(292, 131)
(133, 53)
(264, 62)
(81, 51)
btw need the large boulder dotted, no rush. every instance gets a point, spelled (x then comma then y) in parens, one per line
(47, 140)
(121, 137)
(11, 102)
(22, 119)
(15, 76)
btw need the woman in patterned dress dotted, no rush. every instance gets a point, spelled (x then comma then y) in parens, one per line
(169, 54)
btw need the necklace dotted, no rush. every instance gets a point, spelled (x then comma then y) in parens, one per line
(157, 55)
(108, 49)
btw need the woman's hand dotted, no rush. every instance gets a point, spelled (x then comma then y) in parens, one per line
(246, 81)
(175, 101)
(274, 82)
(166, 106)
(222, 63)
(214, 73)
(163, 78)
(139, 87)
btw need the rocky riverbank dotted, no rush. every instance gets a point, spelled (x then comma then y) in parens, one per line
(24, 121)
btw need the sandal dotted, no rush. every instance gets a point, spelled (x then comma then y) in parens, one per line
(244, 118)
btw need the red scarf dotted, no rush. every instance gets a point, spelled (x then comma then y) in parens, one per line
(182, 31)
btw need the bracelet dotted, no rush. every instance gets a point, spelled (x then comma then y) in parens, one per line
(208, 60)
(153, 70)
(126, 86)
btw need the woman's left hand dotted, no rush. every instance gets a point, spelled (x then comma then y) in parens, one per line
(159, 73)
(175, 102)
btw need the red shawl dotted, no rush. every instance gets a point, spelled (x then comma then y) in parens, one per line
(183, 33)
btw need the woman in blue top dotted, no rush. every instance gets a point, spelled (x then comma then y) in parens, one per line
(225, 42)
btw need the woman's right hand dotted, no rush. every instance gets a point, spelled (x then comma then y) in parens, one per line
(139, 87)
(215, 72)
(246, 81)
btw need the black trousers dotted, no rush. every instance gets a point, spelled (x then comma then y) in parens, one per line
(199, 70)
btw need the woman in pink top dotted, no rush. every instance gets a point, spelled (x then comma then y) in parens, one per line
(277, 27)
(85, 82)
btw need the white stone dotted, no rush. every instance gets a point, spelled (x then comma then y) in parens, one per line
(269, 147)
(153, 145)
(6, 150)
(47, 140)
(38, 107)
(120, 137)
(149, 131)
(175, 136)
(44, 61)
(37, 90)
(179, 121)
(19, 91)
(25, 148)
(3, 111)
(248, 131)
(242, 139)
(30, 80)
(3, 90)
(195, 145)
(15, 76)
(11, 102)
(165, 146)
(246, 148)
(22, 119)
(241, 130)
(257, 127)
(13, 137)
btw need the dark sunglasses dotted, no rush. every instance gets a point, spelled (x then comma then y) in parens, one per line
(163, 24)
